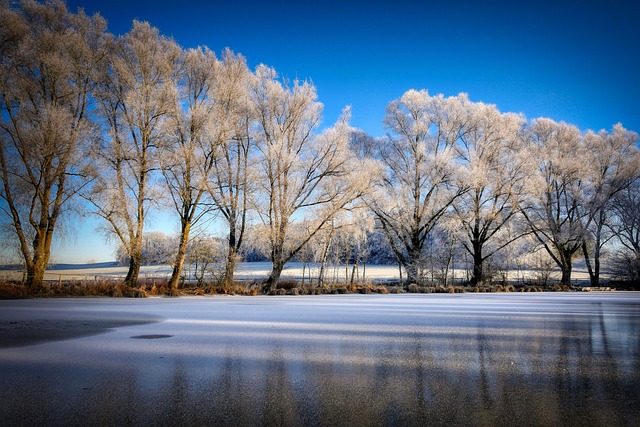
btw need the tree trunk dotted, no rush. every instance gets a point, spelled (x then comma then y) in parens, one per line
(446, 274)
(478, 270)
(38, 264)
(179, 261)
(353, 273)
(304, 267)
(232, 255)
(478, 260)
(323, 259)
(594, 274)
(35, 273)
(274, 277)
(563, 261)
(322, 272)
(229, 268)
(412, 272)
(134, 271)
(566, 274)
(346, 270)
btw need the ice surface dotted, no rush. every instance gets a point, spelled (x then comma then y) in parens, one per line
(463, 359)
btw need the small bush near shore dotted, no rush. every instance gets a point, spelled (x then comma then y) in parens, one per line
(9, 290)
(286, 284)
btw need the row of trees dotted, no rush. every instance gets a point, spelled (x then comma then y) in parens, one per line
(124, 125)
(491, 178)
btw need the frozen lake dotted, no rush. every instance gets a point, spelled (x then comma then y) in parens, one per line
(463, 359)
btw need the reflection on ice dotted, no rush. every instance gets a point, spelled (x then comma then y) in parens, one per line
(476, 360)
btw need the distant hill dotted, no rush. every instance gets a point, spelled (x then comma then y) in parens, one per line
(82, 266)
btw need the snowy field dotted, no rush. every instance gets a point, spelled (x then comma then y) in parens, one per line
(256, 271)
(489, 359)
(244, 271)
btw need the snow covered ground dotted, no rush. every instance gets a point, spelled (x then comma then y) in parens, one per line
(253, 270)
(463, 359)
(244, 271)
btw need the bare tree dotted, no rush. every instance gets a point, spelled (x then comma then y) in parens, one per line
(625, 225)
(344, 241)
(47, 71)
(158, 248)
(491, 152)
(613, 163)
(556, 193)
(137, 94)
(191, 134)
(204, 257)
(422, 179)
(355, 243)
(231, 173)
(303, 174)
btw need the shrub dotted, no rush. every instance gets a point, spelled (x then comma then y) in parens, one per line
(10, 290)
(119, 290)
(286, 284)
(413, 288)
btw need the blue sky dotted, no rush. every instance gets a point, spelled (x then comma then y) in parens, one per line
(577, 61)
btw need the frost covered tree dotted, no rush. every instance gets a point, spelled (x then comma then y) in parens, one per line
(231, 174)
(344, 241)
(204, 256)
(491, 151)
(190, 136)
(47, 71)
(137, 93)
(624, 224)
(556, 191)
(352, 242)
(612, 164)
(303, 175)
(158, 248)
(421, 178)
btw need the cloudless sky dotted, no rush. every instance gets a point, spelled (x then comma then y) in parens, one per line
(576, 61)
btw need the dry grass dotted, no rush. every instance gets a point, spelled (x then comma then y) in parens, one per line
(237, 288)
(12, 290)
(89, 288)
(286, 284)
(147, 287)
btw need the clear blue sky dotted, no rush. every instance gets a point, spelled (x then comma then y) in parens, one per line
(577, 61)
